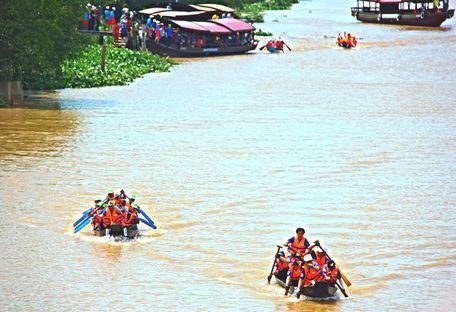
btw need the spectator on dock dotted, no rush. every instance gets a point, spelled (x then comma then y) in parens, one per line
(107, 17)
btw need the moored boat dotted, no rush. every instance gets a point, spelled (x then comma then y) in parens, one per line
(403, 12)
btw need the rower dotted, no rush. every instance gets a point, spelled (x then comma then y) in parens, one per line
(113, 219)
(333, 273)
(295, 275)
(318, 253)
(339, 40)
(279, 44)
(297, 244)
(131, 220)
(311, 272)
(281, 266)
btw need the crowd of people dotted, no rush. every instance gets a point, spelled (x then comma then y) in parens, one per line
(303, 265)
(347, 41)
(116, 214)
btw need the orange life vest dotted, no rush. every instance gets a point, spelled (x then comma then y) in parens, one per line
(333, 275)
(131, 217)
(282, 265)
(298, 246)
(114, 217)
(279, 45)
(311, 274)
(96, 221)
(321, 260)
(295, 271)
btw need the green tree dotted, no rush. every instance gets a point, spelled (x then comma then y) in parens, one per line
(36, 36)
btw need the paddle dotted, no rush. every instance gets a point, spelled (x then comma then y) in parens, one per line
(140, 210)
(89, 217)
(273, 264)
(84, 214)
(147, 223)
(344, 278)
(262, 48)
(342, 290)
(287, 46)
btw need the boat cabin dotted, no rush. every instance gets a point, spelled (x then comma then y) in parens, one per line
(404, 12)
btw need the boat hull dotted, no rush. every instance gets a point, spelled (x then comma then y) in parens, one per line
(319, 290)
(175, 51)
(117, 231)
(429, 19)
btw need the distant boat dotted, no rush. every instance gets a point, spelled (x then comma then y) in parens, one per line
(403, 12)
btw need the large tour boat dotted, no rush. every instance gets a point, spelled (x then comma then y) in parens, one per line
(403, 12)
(191, 30)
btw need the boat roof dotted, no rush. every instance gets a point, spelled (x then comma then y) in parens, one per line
(171, 14)
(152, 11)
(190, 26)
(202, 8)
(234, 24)
(217, 7)
(399, 1)
(214, 28)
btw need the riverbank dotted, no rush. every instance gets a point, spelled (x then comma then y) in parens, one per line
(254, 12)
(122, 67)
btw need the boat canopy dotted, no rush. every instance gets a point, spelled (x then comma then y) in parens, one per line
(171, 14)
(201, 8)
(152, 11)
(192, 26)
(399, 1)
(217, 7)
(214, 28)
(234, 24)
(390, 1)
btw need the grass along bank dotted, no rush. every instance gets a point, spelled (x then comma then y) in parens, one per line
(83, 71)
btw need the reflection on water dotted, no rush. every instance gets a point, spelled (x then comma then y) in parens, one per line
(229, 155)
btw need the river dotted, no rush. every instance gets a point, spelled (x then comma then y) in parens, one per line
(229, 155)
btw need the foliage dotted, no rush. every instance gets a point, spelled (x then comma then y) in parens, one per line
(36, 36)
(260, 32)
(253, 12)
(122, 67)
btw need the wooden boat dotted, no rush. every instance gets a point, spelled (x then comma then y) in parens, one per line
(320, 290)
(403, 12)
(203, 38)
(117, 232)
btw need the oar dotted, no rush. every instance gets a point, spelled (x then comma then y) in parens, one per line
(262, 48)
(342, 290)
(273, 264)
(147, 223)
(89, 217)
(84, 214)
(344, 278)
(287, 46)
(141, 211)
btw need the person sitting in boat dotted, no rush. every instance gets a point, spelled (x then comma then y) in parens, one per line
(271, 44)
(318, 253)
(297, 244)
(281, 266)
(279, 44)
(312, 272)
(113, 218)
(332, 273)
(111, 196)
(295, 275)
(339, 40)
(131, 220)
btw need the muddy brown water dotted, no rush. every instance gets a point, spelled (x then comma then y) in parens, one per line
(229, 155)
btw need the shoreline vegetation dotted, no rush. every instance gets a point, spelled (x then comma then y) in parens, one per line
(51, 55)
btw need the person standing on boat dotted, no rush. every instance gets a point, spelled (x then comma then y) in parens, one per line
(297, 244)
(149, 26)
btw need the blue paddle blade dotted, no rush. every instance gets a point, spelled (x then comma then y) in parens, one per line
(145, 215)
(147, 223)
(84, 214)
(82, 225)
(80, 220)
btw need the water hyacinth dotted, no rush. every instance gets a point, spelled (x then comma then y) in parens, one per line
(122, 67)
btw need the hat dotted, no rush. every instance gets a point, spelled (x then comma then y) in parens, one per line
(308, 258)
(107, 7)
(110, 191)
(133, 196)
(97, 201)
(113, 8)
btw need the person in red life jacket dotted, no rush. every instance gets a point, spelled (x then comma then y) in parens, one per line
(281, 267)
(311, 272)
(339, 40)
(112, 216)
(271, 44)
(116, 32)
(332, 273)
(131, 220)
(297, 244)
(318, 253)
(294, 276)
